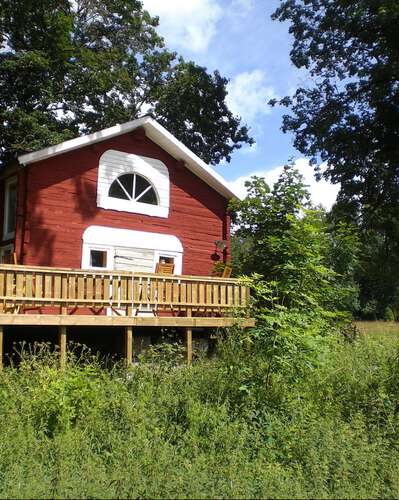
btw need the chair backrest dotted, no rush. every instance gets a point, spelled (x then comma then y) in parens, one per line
(227, 272)
(165, 268)
(9, 258)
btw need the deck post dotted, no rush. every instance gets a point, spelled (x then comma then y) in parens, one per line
(189, 342)
(129, 345)
(1, 346)
(62, 333)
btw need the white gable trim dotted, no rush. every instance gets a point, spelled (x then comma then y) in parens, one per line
(116, 163)
(156, 133)
(98, 235)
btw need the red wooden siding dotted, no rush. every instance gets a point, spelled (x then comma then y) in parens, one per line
(61, 204)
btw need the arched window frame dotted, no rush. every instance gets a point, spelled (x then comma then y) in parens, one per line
(114, 164)
(137, 200)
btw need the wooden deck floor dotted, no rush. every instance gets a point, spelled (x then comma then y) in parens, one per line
(142, 321)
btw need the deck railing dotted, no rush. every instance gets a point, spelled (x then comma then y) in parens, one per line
(126, 293)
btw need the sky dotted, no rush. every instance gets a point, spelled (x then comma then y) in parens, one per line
(238, 38)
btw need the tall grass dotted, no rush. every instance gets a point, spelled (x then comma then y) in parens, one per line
(224, 428)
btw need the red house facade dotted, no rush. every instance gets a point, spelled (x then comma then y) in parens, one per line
(123, 198)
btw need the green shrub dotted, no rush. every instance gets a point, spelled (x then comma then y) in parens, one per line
(223, 428)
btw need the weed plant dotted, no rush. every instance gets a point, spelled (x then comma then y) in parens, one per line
(224, 428)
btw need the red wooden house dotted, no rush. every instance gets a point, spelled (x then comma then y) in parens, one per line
(122, 198)
(88, 222)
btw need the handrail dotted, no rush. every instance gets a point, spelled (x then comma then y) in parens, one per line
(125, 292)
(67, 270)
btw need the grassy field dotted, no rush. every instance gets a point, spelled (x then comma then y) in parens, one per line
(222, 429)
(388, 328)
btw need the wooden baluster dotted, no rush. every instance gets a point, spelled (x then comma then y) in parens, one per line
(129, 307)
(223, 296)
(176, 295)
(236, 296)
(38, 286)
(244, 296)
(208, 289)
(57, 289)
(230, 298)
(81, 290)
(64, 294)
(168, 292)
(216, 296)
(194, 293)
(89, 287)
(48, 292)
(201, 299)
(123, 291)
(183, 293)
(161, 288)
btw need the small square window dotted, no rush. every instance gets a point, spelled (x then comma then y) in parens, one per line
(98, 258)
(166, 260)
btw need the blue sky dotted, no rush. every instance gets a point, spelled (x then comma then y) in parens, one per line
(238, 38)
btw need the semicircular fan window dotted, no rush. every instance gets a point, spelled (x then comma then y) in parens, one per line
(133, 187)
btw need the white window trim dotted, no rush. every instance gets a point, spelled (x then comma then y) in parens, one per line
(113, 164)
(9, 182)
(87, 248)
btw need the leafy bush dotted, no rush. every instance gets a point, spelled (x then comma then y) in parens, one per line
(222, 428)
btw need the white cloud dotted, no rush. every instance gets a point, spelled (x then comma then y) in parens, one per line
(190, 24)
(248, 94)
(242, 7)
(322, 192)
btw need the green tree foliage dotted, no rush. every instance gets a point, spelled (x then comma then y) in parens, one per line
(348, 114)
(70, 67)
(283, 238)
(304, 273)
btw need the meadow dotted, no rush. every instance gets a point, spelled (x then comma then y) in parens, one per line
(224, 428)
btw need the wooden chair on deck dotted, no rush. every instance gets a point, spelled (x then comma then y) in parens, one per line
(9, 258)
(164, 268)
(227, 272)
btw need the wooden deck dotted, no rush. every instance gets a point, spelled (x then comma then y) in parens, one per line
(33, 296)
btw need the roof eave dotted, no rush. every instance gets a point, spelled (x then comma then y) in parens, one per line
(157, 133)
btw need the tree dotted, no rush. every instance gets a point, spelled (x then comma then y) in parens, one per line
(348, 113)
(71, 67)
(292, 244)
(211, 130)
(300, 298)
(263, 217)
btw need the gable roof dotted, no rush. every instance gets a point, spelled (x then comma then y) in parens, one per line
(154, 131)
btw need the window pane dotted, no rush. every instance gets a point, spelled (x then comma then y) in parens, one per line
(166, 260)
(98, 258)
(127, 182)
(149, 197)
(141, 185)
(116, 191)
(12, 208)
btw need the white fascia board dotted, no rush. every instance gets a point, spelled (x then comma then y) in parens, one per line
(80, 142)
(179, 151)
(158, 134)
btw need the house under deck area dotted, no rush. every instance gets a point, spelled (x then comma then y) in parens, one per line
(69, 299)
